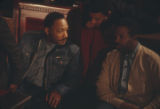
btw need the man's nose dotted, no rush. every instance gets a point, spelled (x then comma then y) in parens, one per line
(65, 34)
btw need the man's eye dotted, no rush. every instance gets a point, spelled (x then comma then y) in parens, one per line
(60, 31)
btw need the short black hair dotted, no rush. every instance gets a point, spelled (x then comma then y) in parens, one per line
(51, 18)
(128, 22)
(102, 6)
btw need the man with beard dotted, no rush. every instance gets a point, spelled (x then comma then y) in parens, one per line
(52, 64)
(130, 74)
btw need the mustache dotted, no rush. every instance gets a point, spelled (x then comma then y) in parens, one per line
(63, 39)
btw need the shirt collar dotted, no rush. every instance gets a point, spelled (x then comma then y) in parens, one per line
(133, 53)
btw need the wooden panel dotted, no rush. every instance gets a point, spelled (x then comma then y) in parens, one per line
(31, 16)
(34, 24)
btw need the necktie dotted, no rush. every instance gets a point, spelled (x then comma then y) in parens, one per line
(124, 75)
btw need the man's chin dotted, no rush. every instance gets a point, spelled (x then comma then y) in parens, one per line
(123, 50)
(62, 42)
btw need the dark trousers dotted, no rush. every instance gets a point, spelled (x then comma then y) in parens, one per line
(38, 102)
(104, 105)
(38, 96)
(82, 98)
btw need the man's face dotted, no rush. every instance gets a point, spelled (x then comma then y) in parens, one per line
(122, 37)
(96, 20)
(58, 32)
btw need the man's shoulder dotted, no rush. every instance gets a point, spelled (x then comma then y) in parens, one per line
(112, 53)
(149, 53)
(74, 48)
(33, 35)
(30, 39)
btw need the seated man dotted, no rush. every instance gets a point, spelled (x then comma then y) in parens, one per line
(8, 48)
(52, 63)
(130, 74)
(10, 64)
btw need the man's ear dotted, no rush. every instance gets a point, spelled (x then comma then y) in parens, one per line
(46, 30)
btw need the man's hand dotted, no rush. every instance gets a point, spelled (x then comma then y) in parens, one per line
(53, 99)
(13, 87)
(128, 106)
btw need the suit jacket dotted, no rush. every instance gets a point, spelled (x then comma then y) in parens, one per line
(143, 84)
(65, 73)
